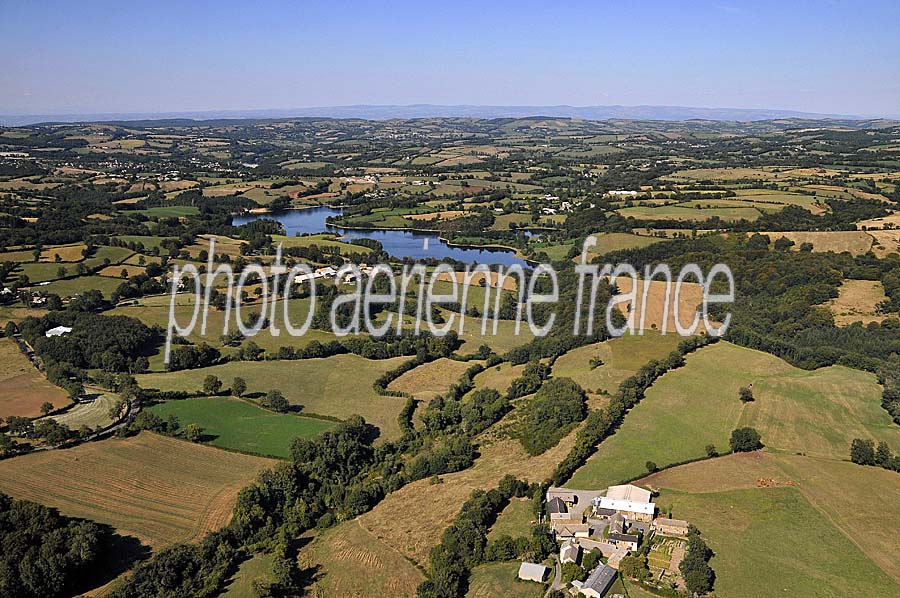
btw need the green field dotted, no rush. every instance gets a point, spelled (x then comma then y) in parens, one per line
(607, 242)
(168, 211)
(621, 357)
(338, 386)
(796, 411)
(501, 579)
(683, 213)
(154, 311)
(515, 520)
(241, 585)
(777, 531)
(322, 241)
(236, 424)
(73, 286)
(147, 241)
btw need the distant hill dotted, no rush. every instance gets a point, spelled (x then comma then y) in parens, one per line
(383, 112)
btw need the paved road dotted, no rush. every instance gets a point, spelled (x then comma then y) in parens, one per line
(557, 579)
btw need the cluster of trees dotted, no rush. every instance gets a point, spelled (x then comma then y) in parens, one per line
(864, 452)
(108, 343)
(603, 422)
(464, 543)
(699, 577)
(44, 554)
(550, 414)
(530, 381)
(745, 440)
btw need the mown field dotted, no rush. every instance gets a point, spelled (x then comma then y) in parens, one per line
(236, 424)
(93, 413)
(23, 389)
(819, 527)
(796, 411)
(339, 386)
(160, 490)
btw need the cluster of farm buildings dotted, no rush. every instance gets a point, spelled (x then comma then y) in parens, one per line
(613, 521)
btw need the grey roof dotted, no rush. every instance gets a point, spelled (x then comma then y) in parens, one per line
(557, 506)
(624, 537)
(606, 512)
(600, 579)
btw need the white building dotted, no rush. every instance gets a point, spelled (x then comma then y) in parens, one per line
(533, 572)
(629, 500)
(58, 331)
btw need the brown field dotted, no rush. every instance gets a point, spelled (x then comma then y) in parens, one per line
(856, 243)
(157, 489)
(435, 505)
(23, 389)
(353, 562)
(431, 379)
(499, 377)
(886, 242)
(690, 299)
(116, 271)
(67, 253)
(509, 282)
(857, 301)
(445, 215)
(876, 223)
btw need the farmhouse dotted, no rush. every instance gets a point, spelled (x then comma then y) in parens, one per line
(533, 572)
(558, 510)
(671, 527)
(569, 552)
(598, 583)
(630, 501)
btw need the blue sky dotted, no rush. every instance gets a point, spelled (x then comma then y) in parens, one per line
(133, 56)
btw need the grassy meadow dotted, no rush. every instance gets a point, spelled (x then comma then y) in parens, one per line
(236, 424)
(338, 386)
(796, 411)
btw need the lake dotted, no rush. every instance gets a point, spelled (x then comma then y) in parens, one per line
(398, 243)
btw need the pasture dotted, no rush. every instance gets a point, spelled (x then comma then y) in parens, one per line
(353, 561)
(817, 413)
(232, 423)
(158, 489)
(23, 389)
(681, 213)
(823, 507)
(338, 386)
(621, 358)
(501, 579)
(608, 242)
(258, 567)
(516, 520)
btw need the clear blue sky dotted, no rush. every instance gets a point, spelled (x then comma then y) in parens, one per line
(87, 56)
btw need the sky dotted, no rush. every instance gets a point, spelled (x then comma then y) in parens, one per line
(89, 56)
